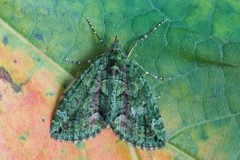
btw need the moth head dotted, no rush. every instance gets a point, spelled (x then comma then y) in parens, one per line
(116, 46)
(116, 53)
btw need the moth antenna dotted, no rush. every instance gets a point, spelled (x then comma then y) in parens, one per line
(94, 31)
(145, 36)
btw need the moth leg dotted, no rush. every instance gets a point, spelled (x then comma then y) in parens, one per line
(157, 97)
(145, 36)
(77, 62)
(147, 73)
(94, 31)
(157, 77)
(134, 45)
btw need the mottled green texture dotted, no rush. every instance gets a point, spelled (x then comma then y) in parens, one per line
(112, 91)
(199, 48)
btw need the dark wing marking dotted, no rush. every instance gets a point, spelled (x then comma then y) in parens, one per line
(135, 117)
(77, 116)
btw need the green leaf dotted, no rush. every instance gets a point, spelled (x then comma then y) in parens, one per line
(199, 47)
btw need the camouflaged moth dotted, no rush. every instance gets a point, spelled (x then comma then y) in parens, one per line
(112, 91)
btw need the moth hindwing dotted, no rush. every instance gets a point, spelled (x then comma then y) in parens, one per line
(112, 91)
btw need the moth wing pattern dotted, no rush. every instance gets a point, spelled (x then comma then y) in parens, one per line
(137, 119)
(77, 116)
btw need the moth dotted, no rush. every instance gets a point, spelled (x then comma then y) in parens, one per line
(111, 92)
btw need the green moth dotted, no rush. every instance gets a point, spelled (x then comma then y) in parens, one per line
(113, 92)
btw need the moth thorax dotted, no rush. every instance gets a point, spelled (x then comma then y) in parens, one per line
(115, 58)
